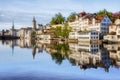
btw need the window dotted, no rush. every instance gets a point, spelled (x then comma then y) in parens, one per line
(112, 37)
(118, 36)
(104, 20)
(96, 45)
(91, 45)
(96, 33)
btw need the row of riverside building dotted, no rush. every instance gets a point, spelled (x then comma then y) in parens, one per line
(89, 27)
(26, 33)
(85, 27)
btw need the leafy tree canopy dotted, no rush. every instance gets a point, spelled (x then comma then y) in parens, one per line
(104, 11)
(57, 19)
(71, 17)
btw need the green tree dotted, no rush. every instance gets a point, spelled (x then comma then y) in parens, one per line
(33, 36)
(71, 17)
(61, 31)
(104, 11)
(57, 19)
(62, 52)
(57, 31)
(66, 30)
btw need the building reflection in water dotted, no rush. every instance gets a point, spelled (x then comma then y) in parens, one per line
(85, 55)
(88, 56)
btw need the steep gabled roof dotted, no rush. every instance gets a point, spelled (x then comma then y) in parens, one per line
(82, 14)
(99, 18)
(89, 16)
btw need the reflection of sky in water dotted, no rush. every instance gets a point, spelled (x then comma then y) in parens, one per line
(21, 66)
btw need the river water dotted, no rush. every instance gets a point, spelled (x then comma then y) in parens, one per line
(49, 60)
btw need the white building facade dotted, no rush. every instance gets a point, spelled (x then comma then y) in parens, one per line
(85, 21)
(88, 36)
(114, 32)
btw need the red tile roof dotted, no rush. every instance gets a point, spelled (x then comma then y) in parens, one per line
(82, 14)
(98, 18)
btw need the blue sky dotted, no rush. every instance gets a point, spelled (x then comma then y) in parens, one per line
(22, 11)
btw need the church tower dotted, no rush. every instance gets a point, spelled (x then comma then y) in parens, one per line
(34, 23)
(13, 25)
(13, 29)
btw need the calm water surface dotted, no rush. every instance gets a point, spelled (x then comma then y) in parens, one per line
(20, 60)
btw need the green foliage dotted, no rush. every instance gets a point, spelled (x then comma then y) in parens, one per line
(66, 30)
(57, 31)
(33, 36)
(57, 19)
(61, 31)
(62, 52)
(104, 11)
(71, 17)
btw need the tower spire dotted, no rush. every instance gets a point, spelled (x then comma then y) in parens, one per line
(13, 25)
(34, 23)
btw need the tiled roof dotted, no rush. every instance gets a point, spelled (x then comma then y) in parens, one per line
(82, 14)
(118, 24)
(99, 18)
(112, 33)
(88, 16)
(112, 24)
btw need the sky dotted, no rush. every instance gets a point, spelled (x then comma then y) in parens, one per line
(22, 11)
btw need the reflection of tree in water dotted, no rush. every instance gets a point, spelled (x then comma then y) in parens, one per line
(61, 52)
(57, 57)
(72, 61)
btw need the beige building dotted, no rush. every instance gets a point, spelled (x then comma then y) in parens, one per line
(114, 51)
(25, 33)
(73, 35)
(24, 43)
(87, 47)
(86, 21)
(114, 32)
(117, 21)
(110, 37)
(44, 37)
(88, 36)
(84, 53)
(112, 28)
(85, 35)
